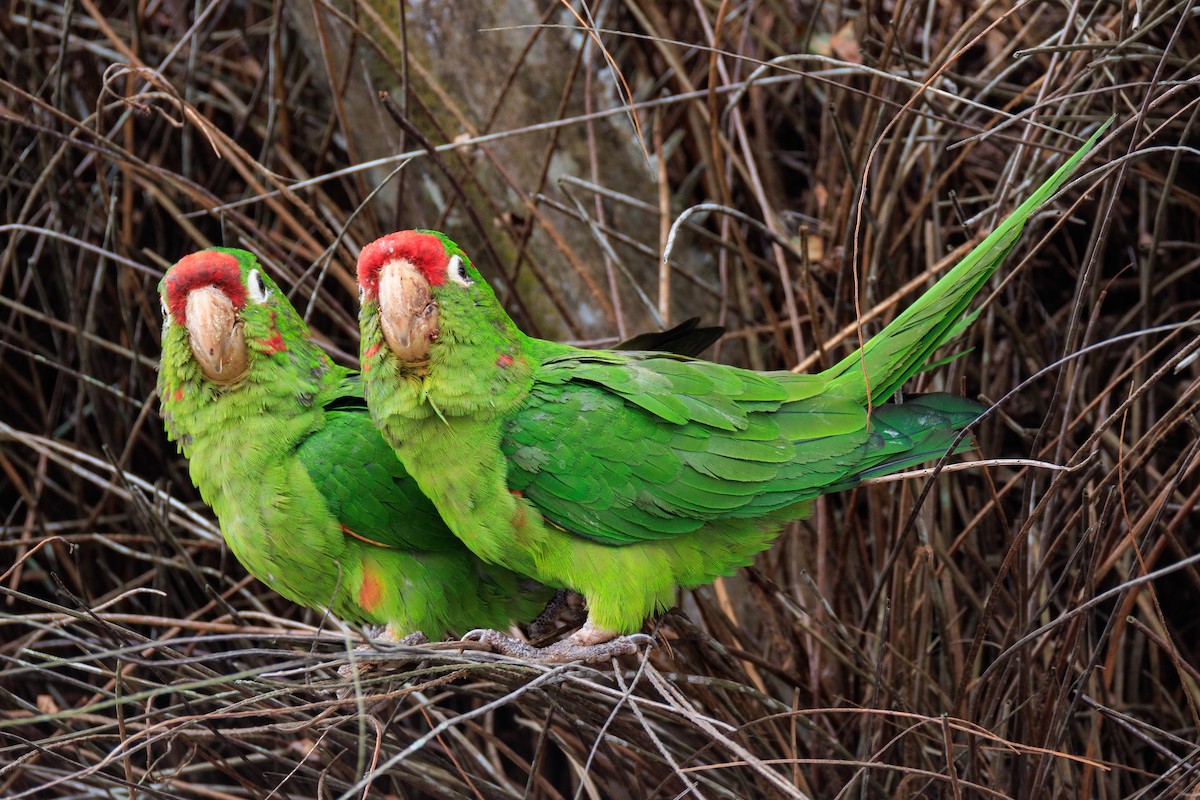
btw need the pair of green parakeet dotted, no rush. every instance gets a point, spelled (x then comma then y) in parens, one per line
(469, 471)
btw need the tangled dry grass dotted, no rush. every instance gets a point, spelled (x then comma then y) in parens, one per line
(1007, 631)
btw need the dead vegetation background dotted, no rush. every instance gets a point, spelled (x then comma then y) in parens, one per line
(1002, 632)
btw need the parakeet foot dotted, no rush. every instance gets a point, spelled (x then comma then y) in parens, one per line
(568, 650)
(586, 644)
(387, 637)
(411, 640)
(503, 643)
(565, 603)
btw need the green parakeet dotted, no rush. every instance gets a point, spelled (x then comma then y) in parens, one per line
(310, 498)
(623, 475)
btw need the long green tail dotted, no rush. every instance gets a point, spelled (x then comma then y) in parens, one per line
(901, 349)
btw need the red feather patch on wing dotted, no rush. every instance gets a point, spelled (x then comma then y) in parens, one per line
(206, 268)
(370, 591)
(423, 250)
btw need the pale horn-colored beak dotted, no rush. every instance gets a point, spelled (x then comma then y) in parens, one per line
(408, 313)
(215, 334)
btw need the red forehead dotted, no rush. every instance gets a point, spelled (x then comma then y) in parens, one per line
(206, 268)
(424, 251)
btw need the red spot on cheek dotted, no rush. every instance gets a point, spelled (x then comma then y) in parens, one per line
(370, 591)
(178, 394)
(504, 361)
(367, 356)
(273, 344)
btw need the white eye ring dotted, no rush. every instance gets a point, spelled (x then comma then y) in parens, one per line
(457, 271)
(258, 289)
(166, 311)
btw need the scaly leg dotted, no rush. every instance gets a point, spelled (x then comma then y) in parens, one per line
(564, 603)
(411, 640)
(387, 636)
(589, 643)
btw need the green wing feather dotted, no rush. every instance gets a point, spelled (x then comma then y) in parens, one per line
(627, 448)
(365, 486)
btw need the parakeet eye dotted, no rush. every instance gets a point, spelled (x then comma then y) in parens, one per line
(166, 312)
(457, 271)
(258, 289)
